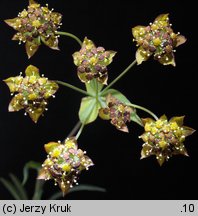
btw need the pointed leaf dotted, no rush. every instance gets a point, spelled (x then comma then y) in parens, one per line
(32, 71)
(136, 118)
(38, 191)
(88, 44)
(31, 48)
(42, 174)
(30, 165)
(13, 22)
(51, 42)
(35, 113)
(147, 120)
(143, 155)
(13, 82)
(162, 20)
(141, 55)
(32, 2)
(112, 54)
(178, 119)
(163, 117)
(14, 104)
(168, 59)
(187, 131)
(110, 58)
(116, 94)
(94, 87)
(180, 40)
(161, 160)
(56, 17)
(145, 149)
(138, 31)
(49, 147)
(77, 58)
(10, 187)
(19, 187)
(88, 110)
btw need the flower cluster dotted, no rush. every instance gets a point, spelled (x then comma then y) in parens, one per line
(34, 25)
(158, 39)
(64, 163)
(118, 112)
(32, 91)
(92, 62)
(164, 138)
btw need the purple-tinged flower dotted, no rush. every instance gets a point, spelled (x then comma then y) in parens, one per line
(117, 112)
(31, 92)
(157, 39)
(35, 25)
(164, 138)
(64, 163)
(92, 62)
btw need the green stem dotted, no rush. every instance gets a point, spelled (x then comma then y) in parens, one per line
(70, 35)
(73, 87)
(80, 131)
(120, 76)
(144, 109)
(75, 129)
(38, 191)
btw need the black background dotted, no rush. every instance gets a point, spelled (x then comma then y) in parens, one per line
(163, 89)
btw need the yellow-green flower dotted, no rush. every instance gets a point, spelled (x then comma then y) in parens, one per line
(35, 25)
(64, 163)
(117, 112)
(157, 39)
(164, 138)
(92, 62)
(31, 92)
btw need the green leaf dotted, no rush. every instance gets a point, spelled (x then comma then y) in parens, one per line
(94, 87)
(136, 118)
(88, 110)
(11, 188)
(116, 94)
(30, 165)
(19, 187)
(102, 101)
(38, 191)
(82, 187)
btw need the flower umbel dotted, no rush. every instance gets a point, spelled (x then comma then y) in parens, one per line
(34, 25)
(64, 163)
(157, 39)
(31, 92)
(118, 112)
(92, 62)
(164, 138)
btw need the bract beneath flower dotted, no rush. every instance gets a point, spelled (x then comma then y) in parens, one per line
(164, 138)
(157, 39)
(35, 25)
(117, 112)
(64, 163)
(31, 92)
(92, 62)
